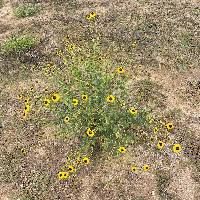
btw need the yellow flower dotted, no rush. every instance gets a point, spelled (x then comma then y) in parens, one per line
(122, 149)
(88, 17)
(75, 102)
(71, 47)
(66, 120)
(90, 132)
(133, 111)
(63, 175)
(84, 97)
(86, 160)
(177, 148)
(71, 168)
(93, 14)
(46, 102)
(160, 145)
(27, 108)
(110, 98)
(169, 126)
(23, 151)
(134, 169)
(155, 130)
(55, 97)
(134, 44)
(146, 168)
(120, 70)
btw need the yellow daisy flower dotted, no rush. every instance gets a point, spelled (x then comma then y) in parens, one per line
(63, 175)
(86, 160)
(90, 132)
(169, 126)
(134, 44)
(110, 98)
(88, 17)
(23, 151)
(134, 169)
(84, 97)
(133, 111)
(55, 97)
(146, 168)
(66, 119)
(177, 148)
(46, 102)
(160, 145)
(71, 47)
(120, 70)
(75, 102)
(122, 149)
(155, 130)
(27, 108)
(93, 14)
(71, 168)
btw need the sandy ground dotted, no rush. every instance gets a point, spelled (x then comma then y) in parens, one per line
(112, 179)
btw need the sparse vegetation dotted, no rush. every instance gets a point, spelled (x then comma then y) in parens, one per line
(18, 44)
(99, 110)
(26, 10)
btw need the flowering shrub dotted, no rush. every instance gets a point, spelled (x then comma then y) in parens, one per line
(93, 104)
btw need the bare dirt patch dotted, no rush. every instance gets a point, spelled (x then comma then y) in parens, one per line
(182, 185)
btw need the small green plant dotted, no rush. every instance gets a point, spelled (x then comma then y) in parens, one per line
(90, 101)
(26, 10)
(95, 104)
(18, 44)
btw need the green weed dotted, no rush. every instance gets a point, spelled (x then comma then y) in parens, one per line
(26, 10)
(96, 106)
(91, 102)
(18, 44)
